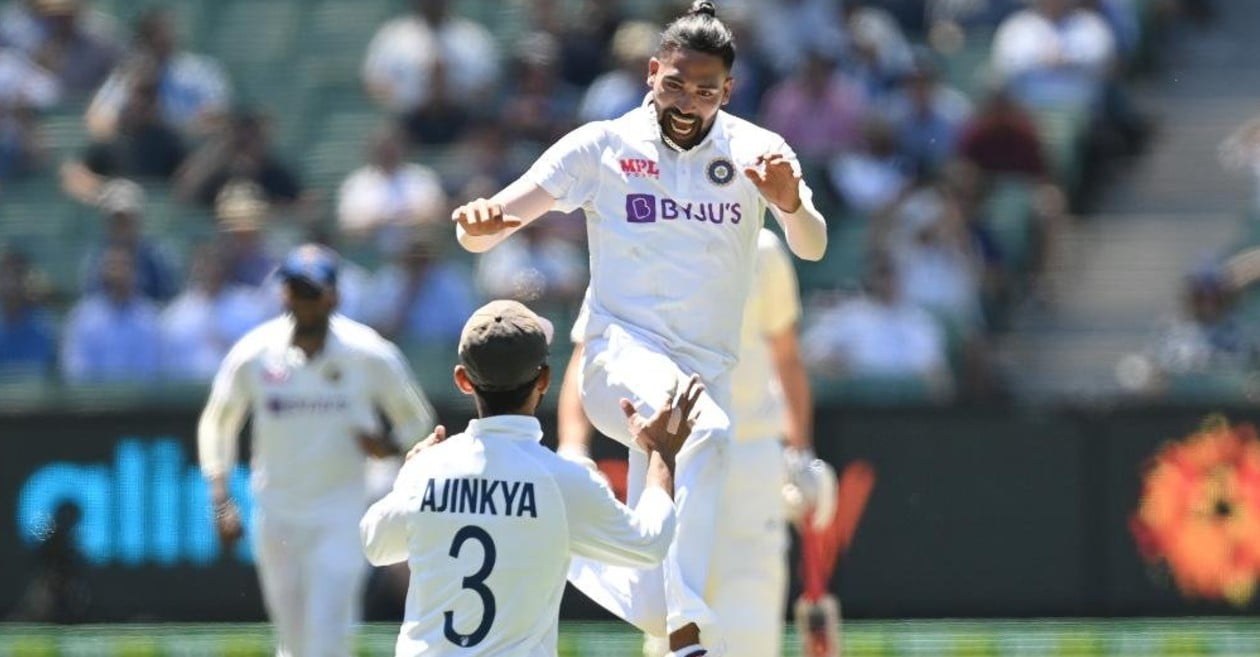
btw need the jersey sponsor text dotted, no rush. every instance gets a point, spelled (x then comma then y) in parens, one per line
(479, 496)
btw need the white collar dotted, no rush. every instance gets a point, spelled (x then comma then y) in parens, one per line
(515, 427)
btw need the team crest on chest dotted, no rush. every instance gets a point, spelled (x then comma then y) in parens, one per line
(720, 171)
(332, 374)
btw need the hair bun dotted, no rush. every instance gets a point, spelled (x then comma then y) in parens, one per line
(703, 7)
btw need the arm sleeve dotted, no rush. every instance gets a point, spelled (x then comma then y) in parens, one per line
(220, 425)
(781, 299)
(603, 529)
(383, 529)
(400, 397)
(568, 171)
(805, 229)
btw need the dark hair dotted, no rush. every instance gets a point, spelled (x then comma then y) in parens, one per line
(503, 402)
(701, 31)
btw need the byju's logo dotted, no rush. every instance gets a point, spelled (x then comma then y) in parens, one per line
(150, 507)
(640, 208)
(647, 208)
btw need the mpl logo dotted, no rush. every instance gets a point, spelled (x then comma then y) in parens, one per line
(639, 168)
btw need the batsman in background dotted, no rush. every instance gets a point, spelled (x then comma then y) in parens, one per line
(313, 382)
(772, 415)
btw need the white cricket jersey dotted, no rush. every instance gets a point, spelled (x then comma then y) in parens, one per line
(774, 305)
(487, 521)
(672, 234)
(307, 414)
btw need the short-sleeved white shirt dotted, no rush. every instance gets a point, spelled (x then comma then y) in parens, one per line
(673, 235)
(774, 305)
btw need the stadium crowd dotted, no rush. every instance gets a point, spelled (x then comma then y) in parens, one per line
(950, 142)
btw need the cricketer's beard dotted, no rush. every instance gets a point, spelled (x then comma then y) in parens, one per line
(317, 329)
(667, 119)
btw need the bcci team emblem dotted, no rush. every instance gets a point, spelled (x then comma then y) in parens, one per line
(721, 171)
(332, 374)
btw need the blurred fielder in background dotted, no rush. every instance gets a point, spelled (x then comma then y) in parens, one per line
(772, 417)
(675, 192)
(314, 383)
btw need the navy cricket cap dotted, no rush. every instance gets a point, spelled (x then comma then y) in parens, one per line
(312, 264)
(504, 345)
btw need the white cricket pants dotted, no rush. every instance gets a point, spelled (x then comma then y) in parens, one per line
(748, 574)
(664, 599)
(312, 574)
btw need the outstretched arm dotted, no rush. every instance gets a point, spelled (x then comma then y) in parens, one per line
(484, 223)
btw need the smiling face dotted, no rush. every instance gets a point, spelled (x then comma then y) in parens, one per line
(688, 89)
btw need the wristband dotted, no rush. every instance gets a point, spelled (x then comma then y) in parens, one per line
(693, 650)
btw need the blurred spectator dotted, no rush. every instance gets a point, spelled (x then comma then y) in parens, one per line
(1002, 138)
(247, 258)
(965, 15)
(817, 110)
(583, 35)
(786, 32)
(77, 45)
(869, 179)
(121, 204)
(432, 69)
(388, 196)
(877, 45)
(939, 268)
(1054, 53)
(623, 88)
(191, 93)
(112, 335)
(240, 152)
(878, 335)
(539, 107)
(25, 88)
(1207, 335)
(537, 266)
(486, 161)
(419, 297)
(1240, 152)
(202, 323)
(27, 338)
(143, 146)
(927, 115)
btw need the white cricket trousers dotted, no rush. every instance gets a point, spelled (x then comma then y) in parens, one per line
(312, 574)
(748, 578)
(661, 600)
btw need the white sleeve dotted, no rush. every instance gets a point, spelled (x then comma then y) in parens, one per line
(603, 529)
(383, 529)
(780, 298)
(400, 397)
(805, 229)
(569, 170)
(220, 425)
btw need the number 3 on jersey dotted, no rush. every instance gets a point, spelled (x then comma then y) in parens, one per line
(475, 583)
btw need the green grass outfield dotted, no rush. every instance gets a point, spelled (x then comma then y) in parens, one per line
(1236, 637)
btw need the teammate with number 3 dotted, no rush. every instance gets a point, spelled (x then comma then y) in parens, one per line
(489, 519)
(675, 194)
